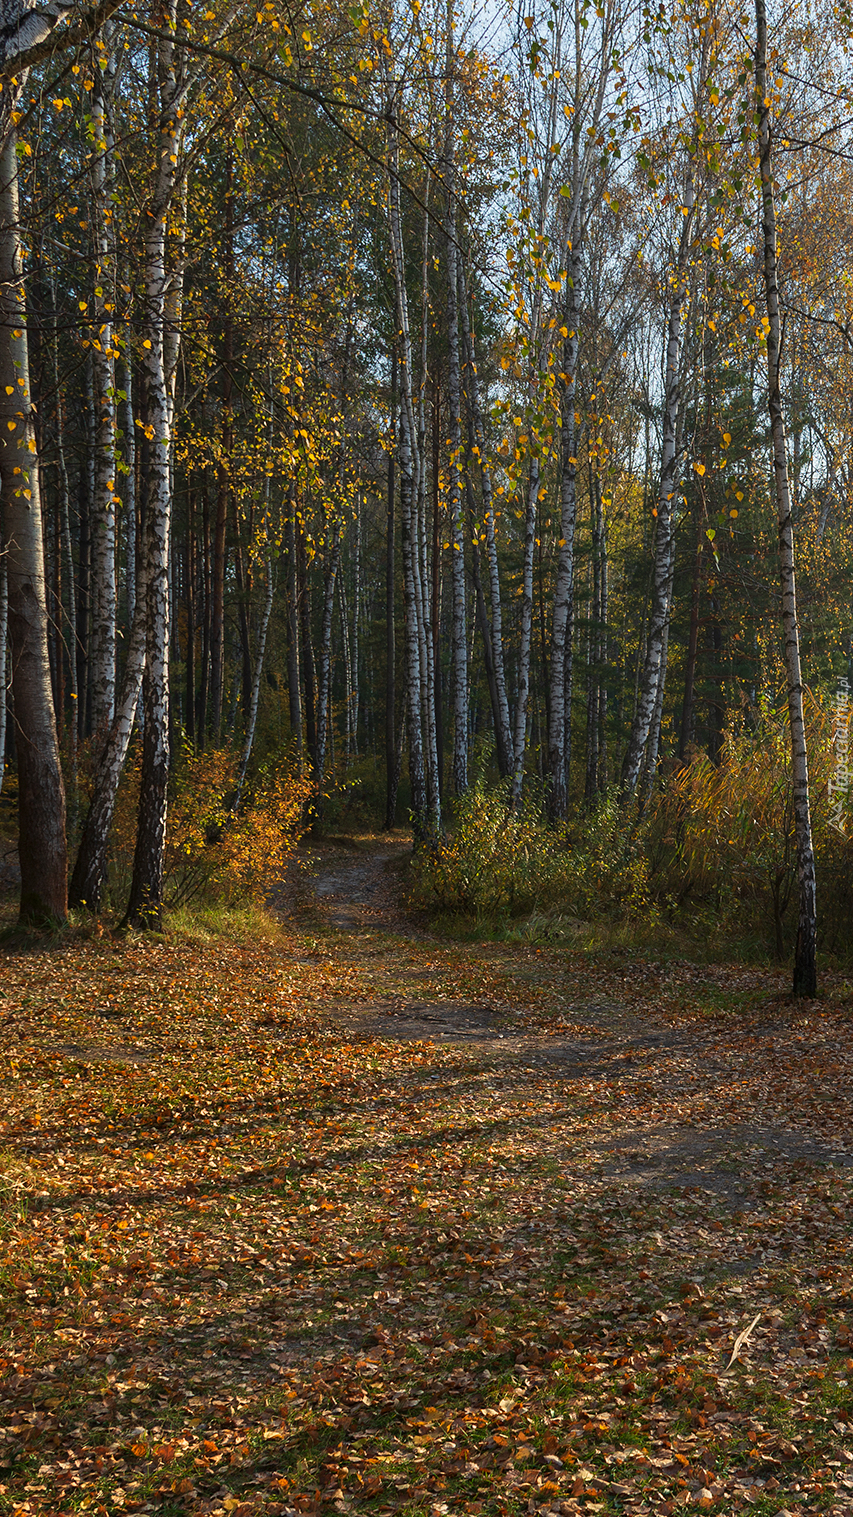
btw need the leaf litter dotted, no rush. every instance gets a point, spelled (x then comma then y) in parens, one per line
(588, 1254)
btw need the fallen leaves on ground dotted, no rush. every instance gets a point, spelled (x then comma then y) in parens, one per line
(252, 1262)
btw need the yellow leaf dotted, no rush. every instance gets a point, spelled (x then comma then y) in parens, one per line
(727, 437)
(700, 469)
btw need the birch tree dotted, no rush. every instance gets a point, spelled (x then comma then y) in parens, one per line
(25, 34)
(689, 188)
(805, 972)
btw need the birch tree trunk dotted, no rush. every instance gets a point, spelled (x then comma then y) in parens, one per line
(293, 693)
(805, 972)
(428, 641)
(392, 757)
(102, 505)
(424, 819)
(654, 664)
(90, 868)
(130, 484)
(160, 345)
(559, 705)
(70, 608)
(459, 645)
(41, 807)
(523, 688)
(503, 734)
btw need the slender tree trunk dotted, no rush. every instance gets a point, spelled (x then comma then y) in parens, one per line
(559, 712)
(102, 505)
(525, 640)
(325, 669)
(243, 594)
(41, 805)
(90, 868)
(654, 665)
(459, 640)
(503, 733)
(392, 767)
(603, 648)
(83, 613)
(254, 699)
(217, 615)
(70, 607)
(480, 606)
(162, 327)
(805, 973)
(307, 649)
(4, 628)
(293, 696)
(435, 587)
(206, 586)
(356, 622)
(685, 735)
(430, 711)
(425, 822)
(130, 523)
(591, 783)
(189, 594)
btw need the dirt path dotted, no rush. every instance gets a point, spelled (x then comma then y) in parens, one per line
(580, 1043)
(355, 1219)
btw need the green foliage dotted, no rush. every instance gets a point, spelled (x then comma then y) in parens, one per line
(504, 863)
(725, 832)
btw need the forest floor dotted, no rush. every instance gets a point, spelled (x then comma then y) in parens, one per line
(358, 1219)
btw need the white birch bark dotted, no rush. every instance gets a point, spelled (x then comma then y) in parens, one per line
(159, 353)
(805, 973)
(459, 649)
(426, 631)
(408, 470)
(90, 868)
(102, 506)
(503, 735)
(654, 665)
(559, 708)
(69, 609)
(130, 483)
(523, 689)
(41, 808)
(587, 93)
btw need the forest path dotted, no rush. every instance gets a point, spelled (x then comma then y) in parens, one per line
(694, 1105)
(343, 1217)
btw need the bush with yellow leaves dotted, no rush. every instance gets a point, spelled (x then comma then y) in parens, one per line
(215, 849)
(727, 830)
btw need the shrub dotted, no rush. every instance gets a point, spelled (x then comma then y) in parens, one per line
(502, 863)
(728, 829)
(213, 851)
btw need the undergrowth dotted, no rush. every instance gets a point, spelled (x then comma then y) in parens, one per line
(708, 868)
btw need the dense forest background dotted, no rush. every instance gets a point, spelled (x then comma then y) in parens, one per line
(387, 419)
